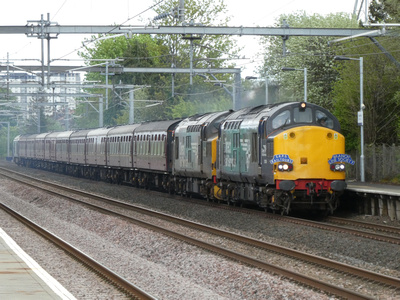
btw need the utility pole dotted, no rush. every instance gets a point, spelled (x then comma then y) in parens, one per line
(101, 111)
(365, 3)
(8, 76)
(8, 137)
(42, 25)
(131, 107)
(106, 84)
(181, 11)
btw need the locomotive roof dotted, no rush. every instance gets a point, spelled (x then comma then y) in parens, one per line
(64, 134)
(98, 131)
(265, 110)
(156, 126)
(123, 129)
(80, 133)
(203, 118)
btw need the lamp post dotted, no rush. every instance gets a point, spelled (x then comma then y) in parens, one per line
(305, 79)
(360, 114)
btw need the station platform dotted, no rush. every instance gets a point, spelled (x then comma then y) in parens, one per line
(374, 188)
(376, 199)
(22, 278)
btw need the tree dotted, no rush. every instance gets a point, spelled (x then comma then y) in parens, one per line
(335, 85)
(208, 51)
(312, 53)
(384, 11)
(3, 138)
(382, 106)
(167, 51)
(381, 86)
(138, 51)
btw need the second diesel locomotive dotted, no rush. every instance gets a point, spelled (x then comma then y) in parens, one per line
(281, 157)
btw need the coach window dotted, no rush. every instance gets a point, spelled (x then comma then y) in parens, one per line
(158, 145)
(140, 145)
(148, 144)
(282, 119)
(163, 145)
(134, 145)
(127, 144)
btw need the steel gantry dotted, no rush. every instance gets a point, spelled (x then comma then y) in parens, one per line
(55, 30)
(45, 30)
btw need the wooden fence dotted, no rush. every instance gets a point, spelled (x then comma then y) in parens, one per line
(380, 162)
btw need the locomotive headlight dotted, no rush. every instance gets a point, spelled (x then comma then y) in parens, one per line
(285, 167)
(338, 167)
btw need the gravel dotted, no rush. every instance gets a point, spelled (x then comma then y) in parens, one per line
(165, 267)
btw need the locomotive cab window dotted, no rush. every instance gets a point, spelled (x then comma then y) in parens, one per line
(322, 119)
(302, 115)
(282, 119)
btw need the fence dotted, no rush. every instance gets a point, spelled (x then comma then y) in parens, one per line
(380, 162)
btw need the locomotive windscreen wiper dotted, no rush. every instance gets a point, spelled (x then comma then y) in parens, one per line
(284, 124)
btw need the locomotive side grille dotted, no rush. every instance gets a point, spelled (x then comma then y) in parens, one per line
(270, 148)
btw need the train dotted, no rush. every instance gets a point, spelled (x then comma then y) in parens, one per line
(281, 157)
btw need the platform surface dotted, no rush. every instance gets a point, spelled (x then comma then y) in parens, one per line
(22, 278)
(374, 188)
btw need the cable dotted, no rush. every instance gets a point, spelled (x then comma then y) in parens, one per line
(62, 5)
(151, 7)
(115, 27)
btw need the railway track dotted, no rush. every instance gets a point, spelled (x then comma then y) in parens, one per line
(374, 235)
(378, 232)
(374, 231)
(257, 259)
(383, 233)
(369, 226)
(114, 279)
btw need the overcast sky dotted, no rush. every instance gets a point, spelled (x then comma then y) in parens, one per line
(104, 12)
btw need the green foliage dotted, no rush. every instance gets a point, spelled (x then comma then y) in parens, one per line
(312, 53)
(381, 93)
(3, 139)
(182, 108)
(139, 51)
(207, 13)
(335, 85)
(163, 52)
(207, 53)
(384, 11)
(85, 115)
(392, 180)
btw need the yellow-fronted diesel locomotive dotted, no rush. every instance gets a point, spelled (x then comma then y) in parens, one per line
(283, 157)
